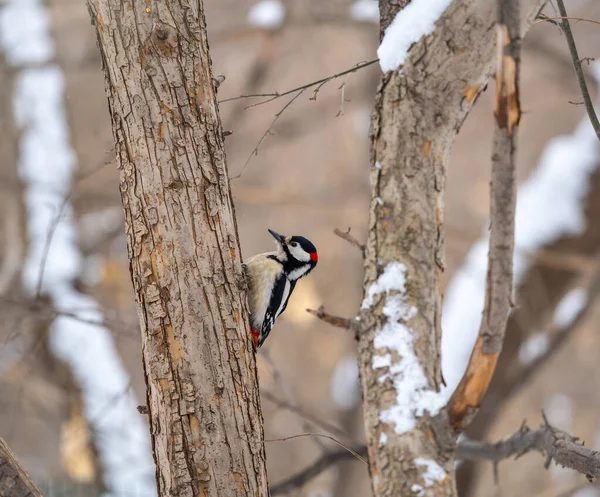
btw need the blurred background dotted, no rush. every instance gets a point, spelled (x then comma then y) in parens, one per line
(70, 353)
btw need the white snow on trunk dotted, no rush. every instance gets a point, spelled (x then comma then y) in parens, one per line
(397, 360)
(46, 165)
(550, 205)
(412, 23)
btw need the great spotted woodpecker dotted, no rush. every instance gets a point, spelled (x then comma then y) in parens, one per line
(272, 277)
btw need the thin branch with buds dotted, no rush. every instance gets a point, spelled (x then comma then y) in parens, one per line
(319, 84)
(266, 133)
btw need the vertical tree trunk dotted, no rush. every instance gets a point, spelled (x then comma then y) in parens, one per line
(417, 114)
(185, 259)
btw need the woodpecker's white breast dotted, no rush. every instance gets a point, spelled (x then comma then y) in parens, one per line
(262, 272)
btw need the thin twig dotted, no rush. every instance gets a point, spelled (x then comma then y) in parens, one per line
(544, 18)
(47, 244)
(336, 321)
(345, 235)
(321, 82)
(589, 106)
(314, 470)
(267, 133)
(287, 392)
(310, 418)
(341, 444)
(555, 444)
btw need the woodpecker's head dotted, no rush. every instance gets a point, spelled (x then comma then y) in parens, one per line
(296, 252)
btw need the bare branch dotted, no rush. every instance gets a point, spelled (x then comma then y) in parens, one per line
(336, 321)
(544, 18)
(267, 133)
(334, 430)
(335, 440)
(315, 469)
(555, 444)
(286, 389)
(275, 95)
(51, 230)
(465, 401)
(589, 106)
(345, 235)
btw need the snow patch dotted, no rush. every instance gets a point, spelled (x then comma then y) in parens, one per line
(569, 307)
(344, 383)
(413, 22)
(533, 348)
(268, 14)
(433, 472)
(398, 362)
(365, 11)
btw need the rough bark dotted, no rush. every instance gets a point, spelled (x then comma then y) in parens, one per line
(14, 481)
(416, 117)
(185, 260)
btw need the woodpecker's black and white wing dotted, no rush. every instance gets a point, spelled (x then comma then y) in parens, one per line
(277, 303)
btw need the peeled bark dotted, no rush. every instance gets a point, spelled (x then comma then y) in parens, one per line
(416, 118)
(185, 258)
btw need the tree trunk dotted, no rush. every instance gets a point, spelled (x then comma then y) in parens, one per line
(185, 260)
(416, 118)
(14, 481)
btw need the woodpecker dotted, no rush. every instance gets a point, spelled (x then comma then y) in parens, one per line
(272, 277)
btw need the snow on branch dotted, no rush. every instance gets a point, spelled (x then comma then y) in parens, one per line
(394, 358)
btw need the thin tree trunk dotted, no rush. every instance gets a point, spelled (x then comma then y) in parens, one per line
(185, 259)
(417, 114)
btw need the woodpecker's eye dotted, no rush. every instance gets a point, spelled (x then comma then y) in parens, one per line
(294, 244)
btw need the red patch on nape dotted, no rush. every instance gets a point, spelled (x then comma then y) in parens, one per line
(314, 257)
(255, 336)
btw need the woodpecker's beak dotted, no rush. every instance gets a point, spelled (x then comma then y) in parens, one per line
(277, 236)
